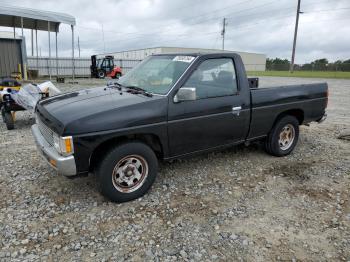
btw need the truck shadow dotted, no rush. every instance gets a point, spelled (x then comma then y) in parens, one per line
(215, 157)
(237, 149)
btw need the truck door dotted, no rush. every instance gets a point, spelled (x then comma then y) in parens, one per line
(216, 117)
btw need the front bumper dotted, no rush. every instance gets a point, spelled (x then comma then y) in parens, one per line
(65, 165)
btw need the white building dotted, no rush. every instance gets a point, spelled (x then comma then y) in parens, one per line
(252, 61)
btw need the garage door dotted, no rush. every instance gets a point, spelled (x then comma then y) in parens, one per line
(10, 56)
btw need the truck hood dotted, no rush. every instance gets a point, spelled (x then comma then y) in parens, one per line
(100, 109)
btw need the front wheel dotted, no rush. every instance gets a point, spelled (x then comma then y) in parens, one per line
(283, 137)
(8, 119)
(10, 124)
(101, 74)
(3, 114)
(127, 171)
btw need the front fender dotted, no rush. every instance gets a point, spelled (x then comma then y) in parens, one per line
(85, 145)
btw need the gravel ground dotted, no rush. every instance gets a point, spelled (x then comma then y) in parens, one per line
(240, 204)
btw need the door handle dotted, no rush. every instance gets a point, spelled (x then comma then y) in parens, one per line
(236, 110)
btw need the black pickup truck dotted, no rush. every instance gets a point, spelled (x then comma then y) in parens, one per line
(169, 106)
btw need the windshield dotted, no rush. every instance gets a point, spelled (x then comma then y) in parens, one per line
(157, 74)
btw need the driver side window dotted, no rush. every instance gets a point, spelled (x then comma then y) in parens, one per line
(213, 78)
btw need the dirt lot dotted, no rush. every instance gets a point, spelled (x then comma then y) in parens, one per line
(241, 204)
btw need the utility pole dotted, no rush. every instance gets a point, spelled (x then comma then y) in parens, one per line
(223, 31)
(79, 46)
(103, 38)
(295, 37)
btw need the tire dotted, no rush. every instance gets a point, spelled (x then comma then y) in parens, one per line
(3, 114)
(9, 120)
(283, 137)
(127, 171)
(101, 74)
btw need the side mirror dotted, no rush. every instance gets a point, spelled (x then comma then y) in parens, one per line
(185, 94)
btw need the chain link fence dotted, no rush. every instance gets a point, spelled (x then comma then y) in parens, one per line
(64, 67)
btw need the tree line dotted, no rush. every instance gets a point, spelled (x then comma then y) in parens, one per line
(278, 64)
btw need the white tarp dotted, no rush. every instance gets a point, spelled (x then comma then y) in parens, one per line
(29, 95)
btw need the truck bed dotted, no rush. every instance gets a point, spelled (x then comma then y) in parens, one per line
(309, 101)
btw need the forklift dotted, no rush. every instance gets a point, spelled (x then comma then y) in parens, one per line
(102, 67)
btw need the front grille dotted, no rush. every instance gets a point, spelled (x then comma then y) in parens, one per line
(45, 131)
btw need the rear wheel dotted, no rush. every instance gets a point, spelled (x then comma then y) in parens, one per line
(9, 120)
(127, 171)
(283, 137)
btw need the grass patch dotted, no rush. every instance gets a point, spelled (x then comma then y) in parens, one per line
(310, 74)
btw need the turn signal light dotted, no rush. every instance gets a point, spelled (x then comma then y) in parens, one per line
(68, 143)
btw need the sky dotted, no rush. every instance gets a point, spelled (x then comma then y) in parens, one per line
(260, 26)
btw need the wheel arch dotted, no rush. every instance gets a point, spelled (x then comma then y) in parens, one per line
(297, 113)
(151, 140)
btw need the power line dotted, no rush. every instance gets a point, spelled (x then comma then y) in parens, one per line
(327, 20)
(154, 32)
(183, 35)
(236, 12)
(245, 25)
(248, 25)
(165, 26)
(238, 27)
(198, 22)
(327, 10)
(185, 19)
(217, 10)
(268, 11)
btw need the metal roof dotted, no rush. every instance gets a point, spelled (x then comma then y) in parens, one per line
(10, 16)
(9, 35)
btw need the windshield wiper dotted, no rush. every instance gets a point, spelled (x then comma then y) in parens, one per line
(139, 90)
(111, 84)
(119, 85)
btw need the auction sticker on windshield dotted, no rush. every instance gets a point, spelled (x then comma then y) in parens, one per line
(183, 58)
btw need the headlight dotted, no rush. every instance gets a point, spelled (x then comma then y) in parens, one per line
(64, 145)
